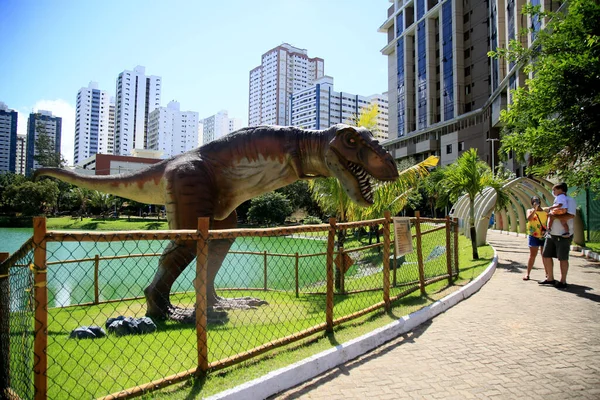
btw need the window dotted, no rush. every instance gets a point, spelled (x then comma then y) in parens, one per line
(461, 146)
(449, 149)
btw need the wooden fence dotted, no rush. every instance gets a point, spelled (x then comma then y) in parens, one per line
(39, 268)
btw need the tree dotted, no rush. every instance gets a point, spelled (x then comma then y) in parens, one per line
(6, 180)
(45, 152)
(469, 175)
(100, 201)
(367, 118)
(300, 197)
(269, 208)
(32, 198)
(435, 199)
(555, 118)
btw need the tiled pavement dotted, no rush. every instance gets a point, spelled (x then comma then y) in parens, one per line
(511, 340)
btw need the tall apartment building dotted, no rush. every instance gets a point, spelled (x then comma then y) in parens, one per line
(38, 123)
(94, 129)
(218, 125)
(8, 138)
(172, 131)
(320, 106)
(448, 93)
(21, 154)
(284, 70)
(137, 96)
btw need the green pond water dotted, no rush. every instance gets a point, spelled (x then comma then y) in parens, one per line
(73, 283)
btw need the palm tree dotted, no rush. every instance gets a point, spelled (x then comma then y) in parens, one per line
(100, 200)
(333, 200)
(469, 175)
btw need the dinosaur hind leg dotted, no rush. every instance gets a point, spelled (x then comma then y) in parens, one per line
(173, 261)
(217, 250)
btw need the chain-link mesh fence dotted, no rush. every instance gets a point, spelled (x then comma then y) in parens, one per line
(588, 203)
(273, 286)
(16, 324)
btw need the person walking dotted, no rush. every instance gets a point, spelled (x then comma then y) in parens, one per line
(537, 220)
(557, 246)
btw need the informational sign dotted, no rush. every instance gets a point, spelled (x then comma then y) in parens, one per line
(403, 236)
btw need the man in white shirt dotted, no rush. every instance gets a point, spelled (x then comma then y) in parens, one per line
(558, 246)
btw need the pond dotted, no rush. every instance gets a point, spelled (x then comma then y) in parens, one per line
(73, 282)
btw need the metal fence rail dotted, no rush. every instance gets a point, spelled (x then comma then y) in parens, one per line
(311, 277)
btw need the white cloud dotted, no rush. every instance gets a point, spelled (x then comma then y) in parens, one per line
(59, 108)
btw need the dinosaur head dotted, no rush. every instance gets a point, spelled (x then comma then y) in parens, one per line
(356, 159)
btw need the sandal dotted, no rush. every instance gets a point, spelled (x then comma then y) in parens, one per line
(526, 278)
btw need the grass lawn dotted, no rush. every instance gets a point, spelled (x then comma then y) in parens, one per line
(109, 224)
(93, 368)
(222, 380)
(592, 245)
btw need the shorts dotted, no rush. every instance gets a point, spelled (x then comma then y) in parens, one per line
(557, 247)
(535, 242)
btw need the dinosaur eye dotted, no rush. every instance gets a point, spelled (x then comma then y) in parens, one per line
(350, 141)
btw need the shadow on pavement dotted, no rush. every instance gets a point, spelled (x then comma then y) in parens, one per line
(512, 267)
(582, 291)
(345, 369)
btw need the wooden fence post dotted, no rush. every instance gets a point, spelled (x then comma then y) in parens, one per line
(448, 250)
(96, 273)
(265, 271)
(386, 259)
(40, 289)
(297, 277)
(4, 328)
(456, 245)
(330, 250)
(420, 252)
(201, 301)
(341, 269)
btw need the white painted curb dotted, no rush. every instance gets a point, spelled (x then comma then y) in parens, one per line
(302, 371)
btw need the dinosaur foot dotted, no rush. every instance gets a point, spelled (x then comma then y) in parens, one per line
(188, 315)
(240, 303)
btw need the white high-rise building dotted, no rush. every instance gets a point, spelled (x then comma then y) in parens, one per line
(284, 70)
(218, 125)
(94, 129)
(319, 107)
(137, 96)
(21, 154)
(172, 131)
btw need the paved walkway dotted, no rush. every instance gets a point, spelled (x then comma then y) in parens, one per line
(511, 340)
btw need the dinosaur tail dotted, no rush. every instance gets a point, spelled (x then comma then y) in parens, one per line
(143, 186)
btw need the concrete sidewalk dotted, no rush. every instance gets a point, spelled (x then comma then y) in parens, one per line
(512, 339)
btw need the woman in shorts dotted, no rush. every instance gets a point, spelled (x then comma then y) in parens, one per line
(537, 219)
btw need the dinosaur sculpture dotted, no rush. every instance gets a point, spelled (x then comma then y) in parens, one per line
(212, 180)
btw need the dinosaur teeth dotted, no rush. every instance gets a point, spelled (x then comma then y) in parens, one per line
(364, 181)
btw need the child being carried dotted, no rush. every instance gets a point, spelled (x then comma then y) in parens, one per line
(558, 208)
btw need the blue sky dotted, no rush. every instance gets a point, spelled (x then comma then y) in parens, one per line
(203, 50)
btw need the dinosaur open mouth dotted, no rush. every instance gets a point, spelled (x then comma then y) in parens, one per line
(364, 181)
